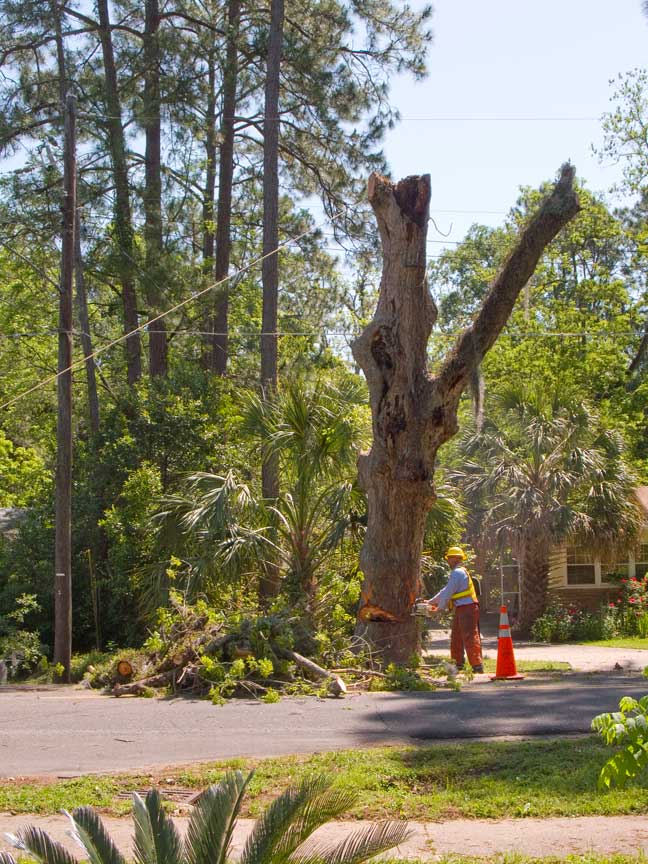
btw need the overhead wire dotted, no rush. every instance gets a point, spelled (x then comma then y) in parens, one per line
(144, 326)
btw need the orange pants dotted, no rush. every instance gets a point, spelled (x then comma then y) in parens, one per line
(465, 635)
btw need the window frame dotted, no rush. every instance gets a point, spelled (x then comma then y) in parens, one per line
(599, 580)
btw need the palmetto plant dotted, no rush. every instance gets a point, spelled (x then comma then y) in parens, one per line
(222, 531)
(542, 469)
(281, 835)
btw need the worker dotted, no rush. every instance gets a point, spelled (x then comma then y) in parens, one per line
(459, 594)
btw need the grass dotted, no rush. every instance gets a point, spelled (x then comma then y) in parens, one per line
(522, 665)
(620, 642)
(443, 781)
(532, 665)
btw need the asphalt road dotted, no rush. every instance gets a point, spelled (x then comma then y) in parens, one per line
(67, 731)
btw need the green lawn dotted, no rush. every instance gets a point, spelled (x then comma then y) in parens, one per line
(620, 642)
(468, 780)
(522, 665)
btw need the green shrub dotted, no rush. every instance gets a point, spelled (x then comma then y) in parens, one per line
(627, 727)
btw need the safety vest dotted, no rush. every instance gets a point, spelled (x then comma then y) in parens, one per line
(469, 592)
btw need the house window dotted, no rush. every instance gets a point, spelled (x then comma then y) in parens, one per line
(641, 560)
(581, 569)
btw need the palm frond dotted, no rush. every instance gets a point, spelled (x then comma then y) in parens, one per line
(156, 838)
(7, 858)
(357, 847)
(292, 818)
(39, 845)
(212, 821)
(90, 833)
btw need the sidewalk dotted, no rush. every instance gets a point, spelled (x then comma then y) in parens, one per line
(583, 658)
(604, 835)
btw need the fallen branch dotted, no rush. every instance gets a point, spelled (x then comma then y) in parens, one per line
(336, 686)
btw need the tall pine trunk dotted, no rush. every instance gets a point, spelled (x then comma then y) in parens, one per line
(124, 251)
(270, 266)
(153, 277)
(414, 413)
(218, 355)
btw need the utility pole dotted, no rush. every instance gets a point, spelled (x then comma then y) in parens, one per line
(63, 542)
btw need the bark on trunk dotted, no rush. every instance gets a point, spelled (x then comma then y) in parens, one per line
(122, 208)
(211, 150)
(84, 322)
(219, 346)
(413, 414)
(158, 347)
(269, 584)
(534, 579)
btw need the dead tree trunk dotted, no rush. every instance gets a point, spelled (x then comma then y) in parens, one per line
(414, 413)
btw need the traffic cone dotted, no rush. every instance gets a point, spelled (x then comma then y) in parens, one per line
(505, 668)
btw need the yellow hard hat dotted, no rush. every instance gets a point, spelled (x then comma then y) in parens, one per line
(456, 552)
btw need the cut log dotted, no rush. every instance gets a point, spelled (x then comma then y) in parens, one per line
(125, 669)
(336, 685)
(136, 688)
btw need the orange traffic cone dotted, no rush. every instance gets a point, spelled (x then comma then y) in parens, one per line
(505, 668)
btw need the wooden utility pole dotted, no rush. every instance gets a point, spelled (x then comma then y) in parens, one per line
(413, 412)
(63, 541)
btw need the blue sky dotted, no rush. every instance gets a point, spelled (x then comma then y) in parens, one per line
(515, 88)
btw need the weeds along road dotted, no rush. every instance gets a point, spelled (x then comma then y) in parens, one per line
(65, 730)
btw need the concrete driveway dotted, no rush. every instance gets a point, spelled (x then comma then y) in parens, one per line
(583, 658)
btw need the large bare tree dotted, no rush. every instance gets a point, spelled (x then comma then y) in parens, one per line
(414, 412)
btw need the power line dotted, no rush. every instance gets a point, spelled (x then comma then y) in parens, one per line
(159, 317)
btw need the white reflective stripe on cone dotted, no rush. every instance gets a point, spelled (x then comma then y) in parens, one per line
(504, 620)
(505, 634)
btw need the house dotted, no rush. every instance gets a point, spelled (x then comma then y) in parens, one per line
(577, 576)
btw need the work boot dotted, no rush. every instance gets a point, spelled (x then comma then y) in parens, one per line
(478, 669)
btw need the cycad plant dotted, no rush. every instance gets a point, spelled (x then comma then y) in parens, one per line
(542, 469)
(280, 836)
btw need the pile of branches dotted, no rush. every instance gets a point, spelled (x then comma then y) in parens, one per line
(194, 653)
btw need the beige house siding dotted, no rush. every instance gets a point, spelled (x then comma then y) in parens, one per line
(595, 589)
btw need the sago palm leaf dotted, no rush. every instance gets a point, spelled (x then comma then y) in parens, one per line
(39, 845)
(7, 858)
(292, 818)
(156, 838)
(212, 821)
(357, 847)
(90, 833)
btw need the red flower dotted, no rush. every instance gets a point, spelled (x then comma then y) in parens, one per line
(631, 600)
(633, 578)
(624, 579)
(611, 605)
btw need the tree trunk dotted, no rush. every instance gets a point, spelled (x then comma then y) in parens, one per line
(208, 244)
(122, 208)
(270, 267)
(84, 323)
(153, 278)
(63, 538)
(534, 579)
(413, 413)
(219, 342)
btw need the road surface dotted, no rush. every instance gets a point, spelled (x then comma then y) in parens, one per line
(67, 731)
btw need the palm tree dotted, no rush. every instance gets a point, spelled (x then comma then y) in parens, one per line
(543, 469)
(222, 531)
(280, 836)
